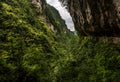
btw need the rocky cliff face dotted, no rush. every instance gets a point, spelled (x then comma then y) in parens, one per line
(49, 15)
(117, 6)
(95, 17)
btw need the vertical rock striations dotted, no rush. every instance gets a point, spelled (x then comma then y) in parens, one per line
(95, 17)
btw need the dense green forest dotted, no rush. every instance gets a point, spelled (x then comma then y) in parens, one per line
(32, 52)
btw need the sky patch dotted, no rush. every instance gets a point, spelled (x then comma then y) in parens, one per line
(63, 12)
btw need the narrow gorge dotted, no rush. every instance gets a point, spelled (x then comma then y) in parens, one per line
(37, 45)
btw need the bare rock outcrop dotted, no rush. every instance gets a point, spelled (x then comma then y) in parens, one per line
(95, 17)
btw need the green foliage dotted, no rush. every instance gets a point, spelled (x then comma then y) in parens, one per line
(54, 17)
(26, 43)
(30, 52)
(94, 61)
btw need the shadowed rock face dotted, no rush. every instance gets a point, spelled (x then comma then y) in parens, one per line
(95, 17)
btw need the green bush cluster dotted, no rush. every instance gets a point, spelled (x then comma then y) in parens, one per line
(27, 46)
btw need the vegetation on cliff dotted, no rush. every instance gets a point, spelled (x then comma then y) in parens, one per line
(31, 52)
(55, 19)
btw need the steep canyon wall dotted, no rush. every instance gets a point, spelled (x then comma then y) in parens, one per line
(95, 17)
